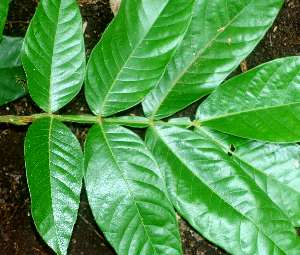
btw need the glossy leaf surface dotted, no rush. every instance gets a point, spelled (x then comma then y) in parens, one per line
(53, 54)
(133, 53)
(3, 15)
(10, 69)
(262, 104)
(127, 193)
(274, 167)
(54, 168)
(217, 196)
(220, 36)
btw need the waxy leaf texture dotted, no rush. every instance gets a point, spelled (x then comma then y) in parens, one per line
(54, 168)
(216, 195)
(133, 53)
(127, 193)
(220, 36)
(239, 193)
(262, 104)
(11, 70)
(274, 168)
(53, 54)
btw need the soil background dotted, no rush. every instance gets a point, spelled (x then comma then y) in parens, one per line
(17, 231)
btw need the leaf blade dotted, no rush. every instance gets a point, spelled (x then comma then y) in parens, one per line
(205, 58)
(218, 199)
(53, 54)
(10, 67)
(262, 103)
(133, 53)
(54, 168)
(3, 15)
(274, 167)
(126, 193)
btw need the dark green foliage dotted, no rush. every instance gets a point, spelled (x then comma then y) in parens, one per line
(241, 194)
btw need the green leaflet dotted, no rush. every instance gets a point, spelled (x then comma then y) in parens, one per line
(10, 67)
(133, 53)
(53, 54)
(54, 168)
(127, 193)
(220, 36)
(3, 15)
(262, 104)
(274, 167)
(217, 196)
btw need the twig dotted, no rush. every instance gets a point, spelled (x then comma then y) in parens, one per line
(17, 249)
(37, 250)
(7, 22)
(90, 225)
(17, 207)
(3, 222)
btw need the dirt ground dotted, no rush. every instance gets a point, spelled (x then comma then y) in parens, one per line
(17, 231)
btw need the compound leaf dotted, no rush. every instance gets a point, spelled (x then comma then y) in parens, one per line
(54, 167)
(127, 193)
(220, 36)
(3, 15)
(262, 104)
(13, 78)
(53, 54)
(274, 168)
(133, 53)
(216, 195)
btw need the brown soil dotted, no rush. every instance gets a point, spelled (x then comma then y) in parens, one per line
(17, 232)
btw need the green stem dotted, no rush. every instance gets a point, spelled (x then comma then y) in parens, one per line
(119, 121)
(24, 120)
(88, 119)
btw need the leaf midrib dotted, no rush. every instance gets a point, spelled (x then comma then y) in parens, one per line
(51, 71)
(193, 61)
(241, 159)
(125, 180)
(49, 151)
(153, 127)
(246, 111)
(128, 59)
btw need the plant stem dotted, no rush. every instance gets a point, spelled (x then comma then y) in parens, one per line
(24, 120)
(88, 119)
